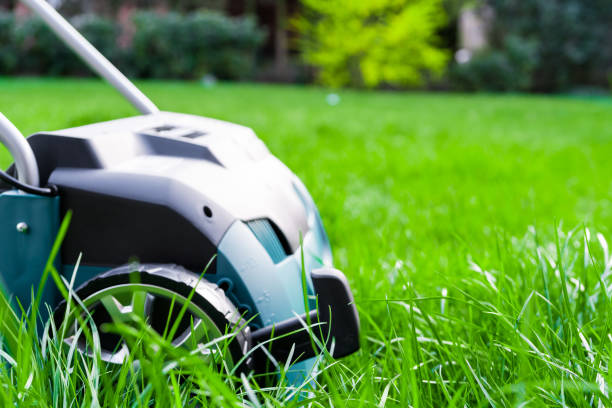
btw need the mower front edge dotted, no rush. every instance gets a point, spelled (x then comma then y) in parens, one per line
(335, 325)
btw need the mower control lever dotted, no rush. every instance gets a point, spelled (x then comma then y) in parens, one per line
(335, 324)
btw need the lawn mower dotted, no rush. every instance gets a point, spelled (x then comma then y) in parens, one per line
(170, 212)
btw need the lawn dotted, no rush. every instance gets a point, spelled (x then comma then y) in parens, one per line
(472, 229)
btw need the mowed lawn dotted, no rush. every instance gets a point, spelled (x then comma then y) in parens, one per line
(472, 228)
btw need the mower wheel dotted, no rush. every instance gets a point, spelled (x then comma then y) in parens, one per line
(153, 297)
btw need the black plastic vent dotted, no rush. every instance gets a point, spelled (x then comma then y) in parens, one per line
(174, 131)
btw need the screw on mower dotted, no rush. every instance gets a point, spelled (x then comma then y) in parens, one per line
(174, 191)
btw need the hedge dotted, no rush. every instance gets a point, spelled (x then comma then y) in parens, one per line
(557, 45)
(8, 52)
(167, 45)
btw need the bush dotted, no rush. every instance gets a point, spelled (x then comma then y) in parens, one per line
(176, 46)
(372, 42)
(41, 52)
(101, 32)
(224, 47)
(571, 39)
(158, 46)
(507, 69)
(8, 53)
(164, 46)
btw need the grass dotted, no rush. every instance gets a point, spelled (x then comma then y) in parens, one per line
(472, 229)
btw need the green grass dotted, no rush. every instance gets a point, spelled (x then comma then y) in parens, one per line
(472, 229)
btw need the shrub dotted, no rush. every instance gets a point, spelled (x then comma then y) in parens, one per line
(227, 47)
(372, 42)
(176, 46)
(571, 38)
(41, 52)
(8, 53)
(507, 69)
(164, 46)
(158, 46)
(101, 32)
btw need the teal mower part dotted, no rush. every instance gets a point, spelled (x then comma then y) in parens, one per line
(172, 209)
(28, 227)
(174, 206)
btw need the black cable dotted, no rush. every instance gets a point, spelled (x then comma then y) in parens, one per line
(49, 191)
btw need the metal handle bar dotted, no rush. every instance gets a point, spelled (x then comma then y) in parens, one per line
(92, 57)
(25, 161)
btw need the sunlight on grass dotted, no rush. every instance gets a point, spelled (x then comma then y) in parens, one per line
(452, 218)
(534, 326)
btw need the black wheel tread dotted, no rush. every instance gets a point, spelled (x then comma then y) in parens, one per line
(208, 296)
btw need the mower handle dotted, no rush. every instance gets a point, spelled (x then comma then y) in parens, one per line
(92, 57)
(19, 148)
(335, 324)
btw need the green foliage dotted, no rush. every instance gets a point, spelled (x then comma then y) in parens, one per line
(372, 42)
(224, 46)
(189, 46)
(507, 69)
(164, 46)
(39, 49)
(159, 45)
(571, 39)
(101, 32)
(453, 7)
(8, 54)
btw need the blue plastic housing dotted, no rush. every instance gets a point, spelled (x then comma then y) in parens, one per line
(271, 291)
(24, 254)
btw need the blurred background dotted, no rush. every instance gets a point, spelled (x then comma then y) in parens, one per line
(478, 45)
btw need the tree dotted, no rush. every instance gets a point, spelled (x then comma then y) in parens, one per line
(372, 42)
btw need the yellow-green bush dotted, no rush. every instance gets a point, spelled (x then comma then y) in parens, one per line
(372, 42)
